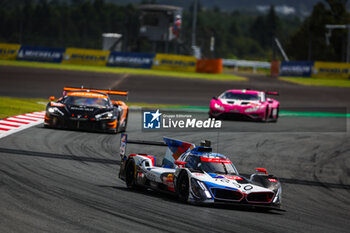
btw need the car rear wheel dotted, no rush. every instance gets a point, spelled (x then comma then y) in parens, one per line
(117, 128)
(125, 123)
(130, 172)
(183, 187)
(266, 117)
(211, 115)
(277, 114)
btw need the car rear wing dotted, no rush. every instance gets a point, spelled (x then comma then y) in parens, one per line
(174, 148)
(109, 92)
(272, 93)
(124, 141)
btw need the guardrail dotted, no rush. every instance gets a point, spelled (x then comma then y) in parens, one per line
(315, 69)
(246, 63)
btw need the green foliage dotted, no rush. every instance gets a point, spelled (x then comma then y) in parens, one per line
(80, 23)
(309, 42)
(239, 35)
(16, 106)
(77, 24)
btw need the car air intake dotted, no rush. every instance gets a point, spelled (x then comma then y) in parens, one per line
(230, 102)
(262, 197)
(244, 103)
(226, 194)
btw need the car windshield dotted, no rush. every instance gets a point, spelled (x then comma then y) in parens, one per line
(86, 101)
(240, 96)
(217, 167)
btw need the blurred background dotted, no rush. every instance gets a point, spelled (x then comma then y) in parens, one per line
(230, 29)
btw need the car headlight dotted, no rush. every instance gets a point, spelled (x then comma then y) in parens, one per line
(253, 109)
(54, 110)
(219, 107)
(104, 116)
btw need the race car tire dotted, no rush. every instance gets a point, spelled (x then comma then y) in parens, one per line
(266, 118)
(115, 131)
(277, 115)
(130, 171)
(117, 128)
(211, 116)
(125, 123)
(183, 187)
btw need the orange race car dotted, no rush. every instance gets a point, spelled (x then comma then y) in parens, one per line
(87, 109)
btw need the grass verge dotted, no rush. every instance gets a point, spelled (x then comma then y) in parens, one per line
(119, 70)
(317, 82)
(15, 106)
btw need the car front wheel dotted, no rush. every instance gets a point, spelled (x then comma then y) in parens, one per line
(183, 187)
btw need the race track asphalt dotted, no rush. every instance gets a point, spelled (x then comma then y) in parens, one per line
(66, 181)
(43, 83)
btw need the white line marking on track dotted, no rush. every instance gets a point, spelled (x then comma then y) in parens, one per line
(18, 123)
(26, 118)
(33, 116)
(14, 120)
(7, 126)
(119, 81)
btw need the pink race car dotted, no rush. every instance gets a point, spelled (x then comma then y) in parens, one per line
(245, 104)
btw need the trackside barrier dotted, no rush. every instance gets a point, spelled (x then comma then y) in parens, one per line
(85, 57)
(133, 60)
(40, 54)
(9, 51)
(331, 70)
(296, 68)
(94, 57)
(209, 66)
(174, 62)
(245, 63)
(275, 69)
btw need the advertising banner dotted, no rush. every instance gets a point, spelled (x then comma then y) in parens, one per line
(174, 62)
(40, 54)
(213, 66)
(85, 57)
(331, 70)
(134, 60)
(275, 69)
(9, 51)
(296, 68)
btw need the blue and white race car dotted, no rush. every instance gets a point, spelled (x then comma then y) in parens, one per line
(197, 175)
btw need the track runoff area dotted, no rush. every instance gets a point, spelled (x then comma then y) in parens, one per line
(66, 180)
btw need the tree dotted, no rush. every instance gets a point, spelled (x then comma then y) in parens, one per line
(265, 28)
(309, 43)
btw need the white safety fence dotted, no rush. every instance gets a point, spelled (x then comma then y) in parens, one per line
(245, 63)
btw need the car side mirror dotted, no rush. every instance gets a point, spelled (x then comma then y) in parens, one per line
(261, 170)
(52, 98)
(180, 163)
(215, 98)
